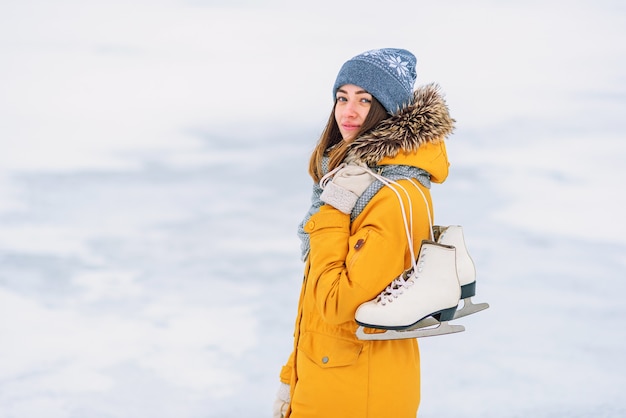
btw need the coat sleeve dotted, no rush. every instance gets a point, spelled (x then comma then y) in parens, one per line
(348, 270)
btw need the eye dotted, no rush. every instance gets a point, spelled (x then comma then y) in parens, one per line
(341, 99)
(366, 100)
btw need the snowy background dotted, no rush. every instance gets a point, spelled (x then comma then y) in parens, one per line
(153, 171)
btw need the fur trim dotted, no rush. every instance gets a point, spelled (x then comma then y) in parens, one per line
(425, 119)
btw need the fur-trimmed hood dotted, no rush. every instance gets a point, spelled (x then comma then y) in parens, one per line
(425, 121)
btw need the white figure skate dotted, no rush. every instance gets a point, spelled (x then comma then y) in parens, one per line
(429, 290)
(466, 272)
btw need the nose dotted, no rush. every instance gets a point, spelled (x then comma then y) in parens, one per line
(350, 109)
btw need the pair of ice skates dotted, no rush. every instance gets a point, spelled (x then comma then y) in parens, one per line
(423, 299)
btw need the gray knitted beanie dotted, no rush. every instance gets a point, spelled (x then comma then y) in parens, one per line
(388, 74)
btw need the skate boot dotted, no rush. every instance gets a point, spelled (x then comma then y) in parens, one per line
(466, 272)
(429, 290)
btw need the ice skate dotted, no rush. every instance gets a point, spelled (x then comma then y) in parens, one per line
(430, 290)
(466, 272)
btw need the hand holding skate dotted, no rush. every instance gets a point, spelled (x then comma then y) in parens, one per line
(347, 185)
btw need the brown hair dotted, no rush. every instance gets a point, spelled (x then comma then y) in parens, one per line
(332, 143)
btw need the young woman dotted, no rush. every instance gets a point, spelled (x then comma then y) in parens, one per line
(354, 240)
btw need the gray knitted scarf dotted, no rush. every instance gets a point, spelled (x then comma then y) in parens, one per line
(391, 172)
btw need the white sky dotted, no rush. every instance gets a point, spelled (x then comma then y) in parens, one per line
(81, 81)
(101, 85)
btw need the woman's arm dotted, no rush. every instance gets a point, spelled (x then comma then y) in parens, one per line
(348, 270)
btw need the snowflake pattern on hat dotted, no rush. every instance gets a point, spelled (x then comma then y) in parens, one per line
(398, 62)
(401, 66)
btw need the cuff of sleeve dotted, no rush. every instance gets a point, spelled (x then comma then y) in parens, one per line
(328, 217)
(285, 373)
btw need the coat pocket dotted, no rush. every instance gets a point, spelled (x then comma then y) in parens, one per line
(327, 351)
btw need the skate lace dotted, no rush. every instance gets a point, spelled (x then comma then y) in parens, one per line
(395, 289)
(329, 176)
(406, 279)
(408, 224)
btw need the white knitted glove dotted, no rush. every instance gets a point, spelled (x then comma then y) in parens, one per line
(347, 185)
(282, 401)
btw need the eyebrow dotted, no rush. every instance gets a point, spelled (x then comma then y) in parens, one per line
(357, 92)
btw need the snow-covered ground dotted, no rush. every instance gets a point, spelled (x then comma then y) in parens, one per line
(153, 172)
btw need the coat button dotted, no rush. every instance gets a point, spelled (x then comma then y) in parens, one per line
(324, 359)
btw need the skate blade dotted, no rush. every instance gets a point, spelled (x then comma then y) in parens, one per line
(426, 322)
(390, 334)
(469, 308)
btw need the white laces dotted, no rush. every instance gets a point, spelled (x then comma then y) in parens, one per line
(329, 176)
(405, 280)
(395, 289)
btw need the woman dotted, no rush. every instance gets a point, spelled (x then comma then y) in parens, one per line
(354, 240)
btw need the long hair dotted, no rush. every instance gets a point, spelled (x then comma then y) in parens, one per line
(332, 143)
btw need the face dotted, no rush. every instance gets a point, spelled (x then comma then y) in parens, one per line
(351, 108)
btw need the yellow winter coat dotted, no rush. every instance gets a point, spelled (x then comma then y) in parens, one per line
(331, 373)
